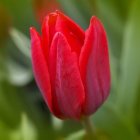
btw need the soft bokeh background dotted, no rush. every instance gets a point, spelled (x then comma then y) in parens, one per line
(23, 113)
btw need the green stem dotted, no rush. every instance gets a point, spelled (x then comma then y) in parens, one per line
(90, 130)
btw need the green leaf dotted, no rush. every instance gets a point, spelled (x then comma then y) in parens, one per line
(18, 74)
(110, 124)
(130, 65)
(26, 131)
(21, 41)
(76, 136)
(57, 123)
(18, 64)
(19, 61)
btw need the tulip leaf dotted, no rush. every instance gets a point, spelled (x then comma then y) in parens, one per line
(26, 130)
(76, 136)
(21, 41)
(130, 65)
(18, 75)
(19, 61)
(111, 125)
(57, 123)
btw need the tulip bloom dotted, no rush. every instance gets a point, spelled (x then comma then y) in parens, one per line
(71, 67)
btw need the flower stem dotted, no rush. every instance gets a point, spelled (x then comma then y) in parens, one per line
(90, 130)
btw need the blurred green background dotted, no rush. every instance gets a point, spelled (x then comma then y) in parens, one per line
(23, 113)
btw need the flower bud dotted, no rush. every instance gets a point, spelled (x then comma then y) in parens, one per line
(71, 66)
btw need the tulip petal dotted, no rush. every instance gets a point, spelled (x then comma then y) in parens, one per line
(94, 67)
(48, 31)
(73, 33)
(58, 22)
(66, 82)
(40, 68)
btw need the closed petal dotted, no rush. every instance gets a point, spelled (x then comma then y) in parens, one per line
(48, 31)
(40, 68)
(94, 67)
(58, 22)
(73, 33)
(66, 82)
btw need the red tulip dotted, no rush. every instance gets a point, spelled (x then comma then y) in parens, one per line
(71, 67)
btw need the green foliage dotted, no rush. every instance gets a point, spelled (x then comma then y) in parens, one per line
(25, 131)
(76, 136)
(130, 65)
(19, 74)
